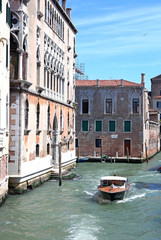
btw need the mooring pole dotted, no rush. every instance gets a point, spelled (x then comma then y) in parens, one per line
(127, 155)
(101, 153)
(146, 151)
(60, 173)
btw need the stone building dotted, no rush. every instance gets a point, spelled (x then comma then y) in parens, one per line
(4, 95)
(42, 91)
(113, 119)
(155, 100)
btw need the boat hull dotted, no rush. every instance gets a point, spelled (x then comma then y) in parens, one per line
(113, 196)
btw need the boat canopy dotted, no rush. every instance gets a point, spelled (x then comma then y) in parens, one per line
(110, 178)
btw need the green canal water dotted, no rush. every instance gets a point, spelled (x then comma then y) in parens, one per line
(75, 210)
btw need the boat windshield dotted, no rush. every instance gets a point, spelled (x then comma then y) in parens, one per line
(114, 183)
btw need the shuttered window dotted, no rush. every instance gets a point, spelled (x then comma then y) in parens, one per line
(111, 126)
(127, 126)
(98, 127)
(84, 126)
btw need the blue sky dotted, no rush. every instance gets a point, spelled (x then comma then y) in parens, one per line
(118, 38)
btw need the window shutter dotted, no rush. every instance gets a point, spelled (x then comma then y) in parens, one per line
(8, 15)
(85, 126)
(98, 126)
(127, 126)
(112, 126)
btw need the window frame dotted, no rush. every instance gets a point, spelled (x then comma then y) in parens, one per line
(111, 105)
(158, 103)
(135, 105)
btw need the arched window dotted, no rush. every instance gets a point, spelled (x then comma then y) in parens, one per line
(85, 105)
(108, 104)
(26, 113)
(37, 150)
(38, 116)
(135, 103)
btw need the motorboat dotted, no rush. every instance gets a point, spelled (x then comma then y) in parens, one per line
(114, 187)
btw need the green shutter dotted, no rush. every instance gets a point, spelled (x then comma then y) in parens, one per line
(127, 126)
(98, 126)
(111, 126)
(6, 55)
(0, 5)
(8, 15)
(85, 126)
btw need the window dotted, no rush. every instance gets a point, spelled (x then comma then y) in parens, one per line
(127, 126)
(6, 55)
(135, 105)
(98, 143)
(85, 126)
(98, 126)
(7, 106)
(85, 106)
(108, 105)
(48, 118)
(76, 143)
(48, 149)
(0, 5)
(26, 113)
(159, 104)
(37, 150)
(112, 126)
(61, 121)
(68, 122)
(38, 116)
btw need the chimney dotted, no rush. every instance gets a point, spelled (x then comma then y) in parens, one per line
(97, 82)
(122, 83)
(143, 79)
(68, 11)
(64, 4)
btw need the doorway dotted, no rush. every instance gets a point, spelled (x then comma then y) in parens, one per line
(127, 147)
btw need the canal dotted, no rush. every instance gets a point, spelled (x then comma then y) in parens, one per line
(75, 211)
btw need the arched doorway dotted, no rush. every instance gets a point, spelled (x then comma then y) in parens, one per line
(55, 142)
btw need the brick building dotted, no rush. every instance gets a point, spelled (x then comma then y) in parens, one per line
(113, 119)
(4, 95)
(42, 90)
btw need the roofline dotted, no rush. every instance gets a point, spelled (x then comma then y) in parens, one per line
(56, 2)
